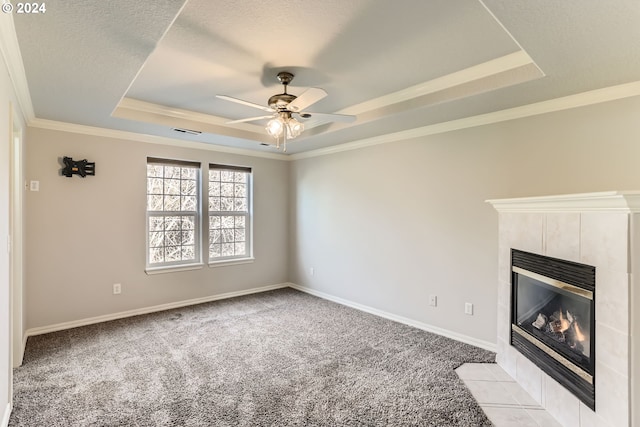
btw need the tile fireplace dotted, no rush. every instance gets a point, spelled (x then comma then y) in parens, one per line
(589, 328)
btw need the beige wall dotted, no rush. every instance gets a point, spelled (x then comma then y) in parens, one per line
(384, 226)
(84, 235)
(389, 225)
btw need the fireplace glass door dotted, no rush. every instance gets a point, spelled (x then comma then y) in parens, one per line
(558, 315)
(553, 319)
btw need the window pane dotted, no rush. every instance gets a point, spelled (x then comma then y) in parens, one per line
(226, 189)
(156, 255)
(240, 177)
(172, 223)
(172, 253)
(156, 223)
(189, 203)
(214, 175)
(214, 188)
(240, 205)
(188, 253)
(188, 173)
(227, 221)
(214, 222)
(240, 190)
(239, 235)
(155, 170)
(226, 203)
(215, 251)
(189, 187)
(226, 176)
(215, 236)
(214, 204)
(156, 239)
(172, 172)
(240, 222)
(188, 223)
(154, 186)
(227, 249)
(172, 203)
(188, 237)
(239, 248)
(227, 235)
(172, 186)
(154, 203)
(173, 238)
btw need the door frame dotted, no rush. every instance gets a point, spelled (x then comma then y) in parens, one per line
(16, 229)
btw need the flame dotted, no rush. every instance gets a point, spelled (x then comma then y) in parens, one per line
(564, 323)
(579, 335)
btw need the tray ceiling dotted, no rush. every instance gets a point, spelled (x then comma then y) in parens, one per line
(148, 67)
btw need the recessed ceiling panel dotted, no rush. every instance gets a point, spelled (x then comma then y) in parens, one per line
(355, 50)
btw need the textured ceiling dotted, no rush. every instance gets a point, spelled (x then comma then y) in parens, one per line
(150, 66)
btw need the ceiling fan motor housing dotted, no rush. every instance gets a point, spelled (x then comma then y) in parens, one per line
(280, 101)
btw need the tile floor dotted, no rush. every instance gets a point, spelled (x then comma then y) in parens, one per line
(501, 397)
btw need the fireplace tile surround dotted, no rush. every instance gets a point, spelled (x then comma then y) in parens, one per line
(598, 229)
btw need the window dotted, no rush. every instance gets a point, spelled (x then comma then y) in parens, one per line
(229, 212)
(173, 213)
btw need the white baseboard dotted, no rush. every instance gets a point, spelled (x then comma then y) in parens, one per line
(416, 324)
(123, 314)
(145, 310)
(5, 417)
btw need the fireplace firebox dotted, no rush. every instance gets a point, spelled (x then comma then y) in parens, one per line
(553, 319)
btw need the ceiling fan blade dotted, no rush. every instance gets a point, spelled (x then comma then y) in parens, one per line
(329, 117)
(306, 98)
(250, 119)
(247, 103)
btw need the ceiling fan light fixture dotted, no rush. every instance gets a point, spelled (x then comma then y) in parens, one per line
(284, 124)
(294, 128)
(275, 127)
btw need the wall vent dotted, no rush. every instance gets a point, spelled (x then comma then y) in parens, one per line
(187, 131)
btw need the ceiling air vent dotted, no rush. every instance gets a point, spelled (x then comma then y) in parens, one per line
(188, 131)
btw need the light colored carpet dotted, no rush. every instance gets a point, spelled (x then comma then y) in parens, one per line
(280, 358)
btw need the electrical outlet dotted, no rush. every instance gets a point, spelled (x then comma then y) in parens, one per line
(433, 300)
(468, 308)
(117, 288)
(34, 185)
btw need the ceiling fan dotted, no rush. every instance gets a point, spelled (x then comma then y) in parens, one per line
(284, 107)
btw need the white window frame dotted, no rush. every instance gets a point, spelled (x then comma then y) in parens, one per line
(247, 257)
(152, 268)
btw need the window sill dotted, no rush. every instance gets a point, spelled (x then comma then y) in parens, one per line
(173, 268)
(228, 262)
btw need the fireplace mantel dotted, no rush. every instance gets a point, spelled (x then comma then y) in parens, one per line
(602, 230)
(605, 201)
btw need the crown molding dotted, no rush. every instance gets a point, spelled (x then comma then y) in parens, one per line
(151, 139)
(583, 99)
(568, 102)
(13, 58)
